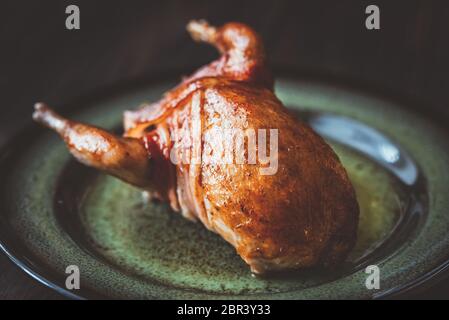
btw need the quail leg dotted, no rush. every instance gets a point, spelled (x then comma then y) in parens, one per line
(125, 158)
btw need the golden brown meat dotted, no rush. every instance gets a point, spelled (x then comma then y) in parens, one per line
(284, 202)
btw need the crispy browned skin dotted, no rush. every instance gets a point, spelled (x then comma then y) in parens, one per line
(306, 214)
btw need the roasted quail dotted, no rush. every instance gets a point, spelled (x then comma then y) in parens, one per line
(300, 212)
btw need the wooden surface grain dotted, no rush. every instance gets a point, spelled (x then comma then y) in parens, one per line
(42, 61)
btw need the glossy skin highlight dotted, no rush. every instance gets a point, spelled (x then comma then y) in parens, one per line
(304, 215)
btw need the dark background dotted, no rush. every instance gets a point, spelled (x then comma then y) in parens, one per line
(120, 41)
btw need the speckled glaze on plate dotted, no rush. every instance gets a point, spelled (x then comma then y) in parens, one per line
(56, 212)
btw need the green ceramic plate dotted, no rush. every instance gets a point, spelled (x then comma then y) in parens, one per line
(56, 213)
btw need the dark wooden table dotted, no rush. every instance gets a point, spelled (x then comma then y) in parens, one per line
(41, 60)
